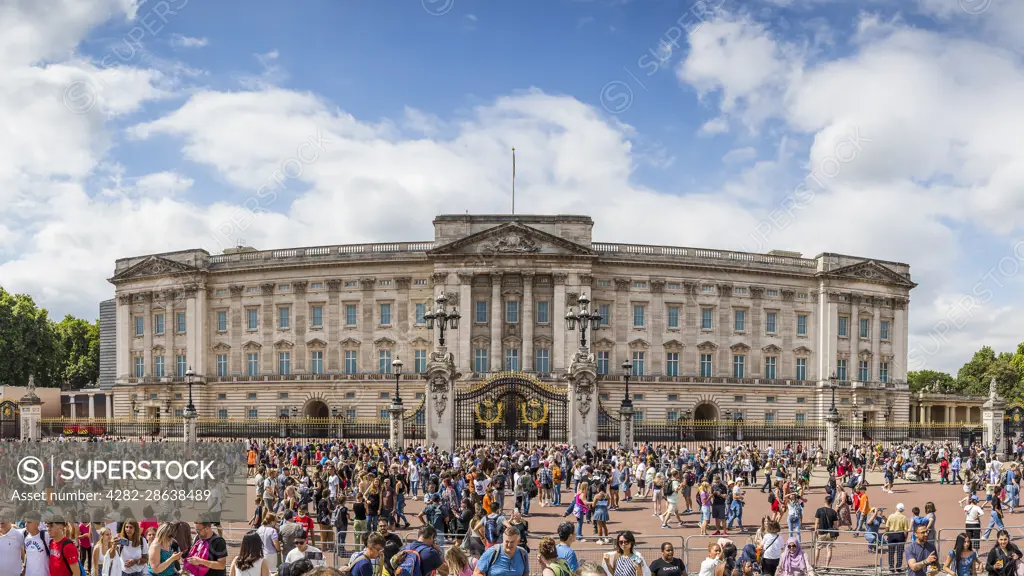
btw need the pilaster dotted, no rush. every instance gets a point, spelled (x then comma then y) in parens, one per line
(235, 359)
(464, 359)
(297, 318)
(333, 320)
(497, 316)
(559, 333)
(528, 319)
(396, 436)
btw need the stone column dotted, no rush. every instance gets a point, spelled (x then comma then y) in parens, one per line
(832, 431)
(302, 363)
(267, 357)
(191, 432)
(147, 334)
(853, 372)
(440, 400)
(876, 340)
(559, 331)
(583, 399)
(899, 337)
(31, 408)
(656, 327)
(497, 313)
(755, 357)
(528, 319)
(992, 419)
(468, 310)
(236, 330)
(74, 409)
(194, 345)
(333, 326)
(368, 312)
(92, 405)
(396, 436)
(110, 403)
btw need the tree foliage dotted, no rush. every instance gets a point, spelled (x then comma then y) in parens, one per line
(55, 353)
(973, 377)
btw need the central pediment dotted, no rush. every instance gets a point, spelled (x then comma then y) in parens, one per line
(512, 239)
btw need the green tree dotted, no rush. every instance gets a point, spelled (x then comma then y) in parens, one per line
(79, 357)
(28, 344)
(918, 380)
(973, 376)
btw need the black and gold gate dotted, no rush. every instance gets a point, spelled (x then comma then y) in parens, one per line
(10, 420)
(512, 406)
(1013, 424)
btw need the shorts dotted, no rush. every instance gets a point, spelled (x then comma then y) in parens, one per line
(827, 537)
(718, 512)
(705, 513)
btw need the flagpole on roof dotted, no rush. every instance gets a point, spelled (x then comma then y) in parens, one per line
(513, 180)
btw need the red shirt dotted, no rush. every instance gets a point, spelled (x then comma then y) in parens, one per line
(306, 521)
(60, 566)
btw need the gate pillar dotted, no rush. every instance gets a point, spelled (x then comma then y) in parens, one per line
(626, 425)
(583, 399)
(31, 409)
(992, 412)
(440, 404)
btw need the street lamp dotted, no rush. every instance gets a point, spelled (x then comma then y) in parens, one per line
(627, 369)
(190, 375)
(396, 368)
(445, 319)
(584, 317)
(833, 381)
(295, 412)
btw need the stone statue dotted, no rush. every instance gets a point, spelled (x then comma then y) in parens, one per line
(992, 390)
(32, 385)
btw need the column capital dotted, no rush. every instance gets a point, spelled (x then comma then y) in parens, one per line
(333, 285)
(756, 292)
(368, 283)
(559, 278)
(657, 285)
(496, 278)
(300, 286)
(439, 278)
(236, 290)
(267, 289)
(622, 284)
(586, 280)
(124, 299)
(465, 278)
(403, 282)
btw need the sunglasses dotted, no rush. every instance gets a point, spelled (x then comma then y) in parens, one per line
(624, 542)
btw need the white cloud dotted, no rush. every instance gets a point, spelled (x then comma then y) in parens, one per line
(739, 155)
(182, 41)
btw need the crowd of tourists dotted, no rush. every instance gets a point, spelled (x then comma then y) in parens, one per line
(350, 500)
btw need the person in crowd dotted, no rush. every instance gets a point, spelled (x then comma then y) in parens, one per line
(624, 560)
(63, 549)
(565, 539)
(1004, 556)
(508, 559)
(134, 549)
(250, 559)
(962, 560)
(920, 554)
(897, 526)
(709, 566)
(270, 540)
(794, 561)
(668, 564)
(550, 562)
(216, 550)
(163, 552)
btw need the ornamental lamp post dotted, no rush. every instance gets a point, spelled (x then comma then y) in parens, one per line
(584, 317)
(833, 381)
(396, 368)
(445, 319)
(627, 369)
(190, 376)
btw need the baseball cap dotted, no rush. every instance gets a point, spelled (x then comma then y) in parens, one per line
(899, 507)
(974, 498)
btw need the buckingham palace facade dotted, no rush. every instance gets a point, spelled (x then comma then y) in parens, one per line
(711, 334)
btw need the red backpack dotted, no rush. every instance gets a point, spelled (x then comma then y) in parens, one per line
(200, 549)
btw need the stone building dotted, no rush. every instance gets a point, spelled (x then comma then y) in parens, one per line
(314, 331)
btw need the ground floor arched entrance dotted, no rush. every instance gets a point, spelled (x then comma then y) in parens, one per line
(316, 409)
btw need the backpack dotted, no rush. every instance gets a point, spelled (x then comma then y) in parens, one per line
(491, 529)
(200, 549)
(81, 568)
(412, 564)
(346, 569)
(771, 496)
(519, 552)
(338, 518)
(560, 568)
(668, 489)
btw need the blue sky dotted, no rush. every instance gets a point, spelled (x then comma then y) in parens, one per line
(680, 123)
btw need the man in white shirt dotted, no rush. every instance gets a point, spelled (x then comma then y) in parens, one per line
(12, 548)
(304, 550)
(37, 555)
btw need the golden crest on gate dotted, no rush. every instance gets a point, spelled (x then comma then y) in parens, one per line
(534, 413)
(488, 412)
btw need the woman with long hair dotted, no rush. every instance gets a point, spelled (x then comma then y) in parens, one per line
(624, 560)
(270, 540)
(602, 502)
(458, 563)
(580, 508)
(161, 556)
(1003, 557)
(249, 561)
(962, 559)
(729, 553)
(134, 549)
(704, 502)
(105, 560)
(793, 561)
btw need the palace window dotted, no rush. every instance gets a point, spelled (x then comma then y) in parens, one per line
(771, 293)
(284, 317)
(638, 363)
(673, 286)
(841, 370)
(420, 282)
(284, 287)
(738, 398)
(705, 365)
(182, 365)
(316, 317)
(421, 311)
(512, 359)
(769, 322)
(317, 362)
(542, 312)
(222, 321)
(385, 314)
(158, 366)
(284, 363)
(672, 364)
(801, 324)
(801, 400)
(739, 290)
(844, 330)
(672, 415)
(769, 367)
(252, 361)
(253, 412)
(640, 285)
(316, 286)
(139, 322)
(222, 413)
(769, 417)
(350, 315)
(384, 361)
(351, 367)
(741, 320)
(222, 365)
(253, 318)
(883, 372)
(706, 315)
(420, 361)
(512, 312)
(707, 289)
(769, 399)
(739, 366)
(801, 419)
(865, 327)
(801, 369)
(605, 312)
(863, 371)
(350, 283)
(543, 365)
(673, 317)
(140, 367)
(673, 397)
(158, 324)
(604, 283)
(602, 362)
(638, 316)
(480, 364)
(481, 312)
(181, 322)
(884, 330)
